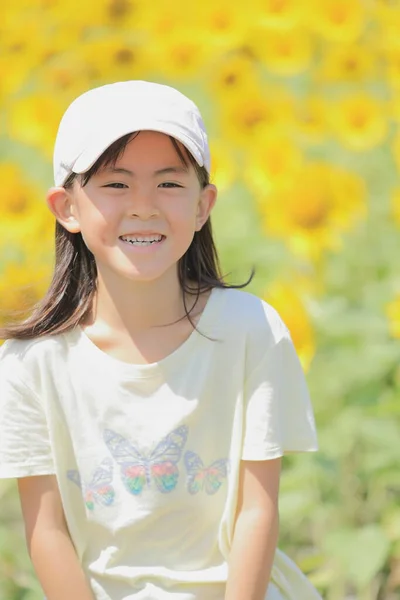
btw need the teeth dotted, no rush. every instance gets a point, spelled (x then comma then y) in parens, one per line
(140, 240)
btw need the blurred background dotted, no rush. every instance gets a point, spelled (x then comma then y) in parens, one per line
(301, 101)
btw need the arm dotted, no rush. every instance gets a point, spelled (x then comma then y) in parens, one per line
(49, 544)
(256, 530)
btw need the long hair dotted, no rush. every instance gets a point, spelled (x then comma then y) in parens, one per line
(69, 299)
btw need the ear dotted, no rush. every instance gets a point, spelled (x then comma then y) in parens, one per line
(61, 204)
(208, 197)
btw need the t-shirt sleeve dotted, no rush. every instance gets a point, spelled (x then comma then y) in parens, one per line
(25, 447)
(279, 418)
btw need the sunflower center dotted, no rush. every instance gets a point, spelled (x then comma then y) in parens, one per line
(230, 79)
(184, 55)
(124, 56)
(359, 120)
(277, 6)
(311, 210)
(221, 21)
(119, 8)
(338, 14)
(285, 48)
(16, 203)
(351, 65)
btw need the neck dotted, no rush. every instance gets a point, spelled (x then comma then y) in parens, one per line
(129, 306)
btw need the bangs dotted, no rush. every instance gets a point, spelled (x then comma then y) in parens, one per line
(116, 151)
(109, 157)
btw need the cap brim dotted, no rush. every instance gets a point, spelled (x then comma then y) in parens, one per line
(98, 146)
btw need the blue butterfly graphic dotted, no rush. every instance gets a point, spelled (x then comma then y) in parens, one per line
(99, 490)
(208, 478)
(138, 469)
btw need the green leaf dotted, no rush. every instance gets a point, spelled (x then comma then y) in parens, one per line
(361, 552)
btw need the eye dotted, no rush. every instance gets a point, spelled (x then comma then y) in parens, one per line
(170, 184)
(116, 185)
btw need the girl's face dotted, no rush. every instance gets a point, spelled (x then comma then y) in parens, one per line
(138, 217)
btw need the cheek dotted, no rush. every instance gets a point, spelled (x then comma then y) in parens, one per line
(97, 231)
(184, 214)
(97, 212)
(96, 218)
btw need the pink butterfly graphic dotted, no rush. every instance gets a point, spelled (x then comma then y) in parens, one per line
(208, 478)
(99, 490)
(139, 469)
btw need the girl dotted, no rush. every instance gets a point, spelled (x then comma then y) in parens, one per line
(146, 404)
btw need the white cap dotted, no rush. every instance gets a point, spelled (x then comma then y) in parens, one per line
(102, 115)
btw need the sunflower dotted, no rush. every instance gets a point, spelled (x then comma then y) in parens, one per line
(393, 316)
(393, 109)
(25, 271)
(286, 299)
(223, 167)
(14, 73)
(34, 119)
(347, 62)
(271, 163)
(392, 67)
(262, 112)
(282, 52)
(180, 54)
(115, 57)
(19, 196)
(79, 17)
(226, 24)
(312, 213)
(124, 13)
(24, 211)
(279, 14)
(20, 290)
(359, 121)
(66, 74)
(387, 17)
(162, 18)
(232, 74)
(311, 119)
(396, 149)
(26, 43)
(395, 205)
(27, 35)
(337, 20)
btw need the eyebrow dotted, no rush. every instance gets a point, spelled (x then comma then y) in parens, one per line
(163, 171)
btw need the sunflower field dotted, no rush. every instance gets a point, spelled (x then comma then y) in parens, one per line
(301, 99)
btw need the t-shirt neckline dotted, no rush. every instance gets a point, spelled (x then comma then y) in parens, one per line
(148, 369)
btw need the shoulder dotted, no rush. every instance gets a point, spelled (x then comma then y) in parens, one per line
(252, 316)
(25, 350)
(250, 323)
(23, 359)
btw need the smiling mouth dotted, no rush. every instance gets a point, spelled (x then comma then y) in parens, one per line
(142, 240)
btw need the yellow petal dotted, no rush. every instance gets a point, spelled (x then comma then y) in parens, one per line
(347, 62)
(393, 316)
(34, 120)
(337, 20)
(286, 300)
(282, 52)
(279, 14)
(311, 213)
(359, 121)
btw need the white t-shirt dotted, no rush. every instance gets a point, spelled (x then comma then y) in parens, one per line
(147, 456)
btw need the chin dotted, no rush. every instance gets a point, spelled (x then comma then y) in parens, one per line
(145, 276)
(137, 273)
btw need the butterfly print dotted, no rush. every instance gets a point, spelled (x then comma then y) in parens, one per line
(139, 469)
(99, 490)
(208, 478)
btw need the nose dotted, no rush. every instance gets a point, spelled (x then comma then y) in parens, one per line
(142, 205)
